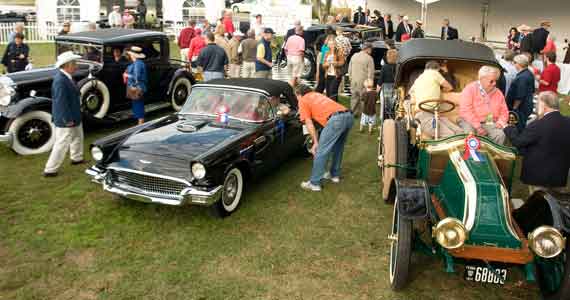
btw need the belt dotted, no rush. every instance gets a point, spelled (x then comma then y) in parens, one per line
(339, 113)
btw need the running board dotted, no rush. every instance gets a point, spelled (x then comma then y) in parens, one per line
(128, 114)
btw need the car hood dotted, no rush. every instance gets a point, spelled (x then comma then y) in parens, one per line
(42, 74)
(182, 140)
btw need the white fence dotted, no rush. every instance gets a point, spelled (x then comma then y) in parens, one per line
(32, 31)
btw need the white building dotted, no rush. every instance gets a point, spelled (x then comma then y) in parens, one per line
(58, 11)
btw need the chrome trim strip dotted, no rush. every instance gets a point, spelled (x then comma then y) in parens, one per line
(151, 174)
(230, 87)
(7, 139)
(470, 188)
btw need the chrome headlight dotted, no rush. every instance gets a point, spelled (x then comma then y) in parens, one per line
(198, 171)
(450, 233)
(97, 153)
(546, 241)
(7, 90)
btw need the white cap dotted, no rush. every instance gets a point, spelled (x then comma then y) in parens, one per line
(66, 57)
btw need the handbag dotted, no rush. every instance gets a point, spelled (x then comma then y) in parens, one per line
(134, 92)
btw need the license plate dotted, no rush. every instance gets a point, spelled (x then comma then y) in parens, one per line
(485, 274)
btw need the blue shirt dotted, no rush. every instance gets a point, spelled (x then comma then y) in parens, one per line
(137, 75)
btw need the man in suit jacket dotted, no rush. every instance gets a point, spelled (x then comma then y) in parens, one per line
(359, 17)
(539, 37)
(403, 28)
(448, 32)
(389, 26)
(544, 146)
(66, 114)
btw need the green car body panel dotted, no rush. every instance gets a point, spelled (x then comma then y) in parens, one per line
(474, 193)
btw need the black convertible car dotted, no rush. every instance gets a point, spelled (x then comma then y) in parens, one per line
(228, 132)
(25, 104)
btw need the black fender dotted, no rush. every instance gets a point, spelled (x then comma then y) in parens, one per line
(177, 74)
(413, 198)
(28, 104)
(544, 208)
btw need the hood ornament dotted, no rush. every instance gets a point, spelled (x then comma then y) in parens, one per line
(185, 127)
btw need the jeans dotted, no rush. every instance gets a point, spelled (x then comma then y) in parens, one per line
(332, 83)
(331, 143)
(213, 75)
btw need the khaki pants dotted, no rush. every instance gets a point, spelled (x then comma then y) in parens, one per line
(248, 70)
(357, 90)
(234, 71)
(66, 139)
(184, 54)
(495, 134)
(446, 127)
(295, 65)
(263, 74)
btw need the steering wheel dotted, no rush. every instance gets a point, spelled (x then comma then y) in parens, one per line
(439, 105)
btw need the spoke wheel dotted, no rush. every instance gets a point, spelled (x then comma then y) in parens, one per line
(393, 150)
(553, 275)
(95, 98)
(33, 133)
(231, 194)
(400, 250)
(309, 68)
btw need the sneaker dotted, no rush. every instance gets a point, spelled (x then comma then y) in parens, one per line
(78, 162)
(328, 176)
(307, 185)
(50, 174)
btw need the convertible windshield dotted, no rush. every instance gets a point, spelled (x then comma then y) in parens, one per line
(241, 105)
(86, 51)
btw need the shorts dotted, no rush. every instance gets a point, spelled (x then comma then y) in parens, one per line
(367, 120)
(138, 108)
(295, 65)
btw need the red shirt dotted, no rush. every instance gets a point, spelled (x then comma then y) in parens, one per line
(551, 74)
(229, 25)
(185, 37)
(196, 45)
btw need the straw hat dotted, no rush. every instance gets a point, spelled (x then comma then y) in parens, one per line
(136, 52)
(66, 57)
(524, 28)
(419, 22)
(545, 23)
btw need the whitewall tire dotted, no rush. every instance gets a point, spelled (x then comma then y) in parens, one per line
(95, 98)
(32, 133)
(231, 194)
(180, 92)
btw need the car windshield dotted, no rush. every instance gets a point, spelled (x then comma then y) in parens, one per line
(241, 105)
(86, 51)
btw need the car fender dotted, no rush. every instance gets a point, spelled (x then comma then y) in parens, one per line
(413, 197)
(177, 74)
(27, 104)
(543, 208)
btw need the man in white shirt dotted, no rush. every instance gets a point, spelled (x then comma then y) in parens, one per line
(115, 19)
(258, 26)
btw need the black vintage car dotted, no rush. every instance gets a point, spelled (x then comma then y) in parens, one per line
(358, 34)
(25, 104)
(228, 132)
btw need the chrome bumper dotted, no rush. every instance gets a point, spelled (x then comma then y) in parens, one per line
(188, 196)
(6, 138)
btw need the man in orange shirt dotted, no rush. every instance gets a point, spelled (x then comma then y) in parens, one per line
(336, 121)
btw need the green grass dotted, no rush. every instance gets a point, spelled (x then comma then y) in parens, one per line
(64, 238)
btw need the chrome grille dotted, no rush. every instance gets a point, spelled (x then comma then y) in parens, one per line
(148, 184)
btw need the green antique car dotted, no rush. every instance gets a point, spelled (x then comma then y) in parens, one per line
(452, 196)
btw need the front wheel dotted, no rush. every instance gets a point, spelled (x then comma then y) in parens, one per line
(400, 250)
(553, 275)
(231, 194)
(32, 132)
(180, 91)
(309, 68)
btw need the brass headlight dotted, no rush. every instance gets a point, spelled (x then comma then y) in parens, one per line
(546, 241)
(450, 233)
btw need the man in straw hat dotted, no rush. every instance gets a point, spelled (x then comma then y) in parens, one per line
(234, 58)
(418, 32)
(66, 114)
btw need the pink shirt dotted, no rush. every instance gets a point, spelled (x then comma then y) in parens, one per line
(475, 106)
(295, 46)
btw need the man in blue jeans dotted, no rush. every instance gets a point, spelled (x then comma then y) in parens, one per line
(213, 59)
(336, 121)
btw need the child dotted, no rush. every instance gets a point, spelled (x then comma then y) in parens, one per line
(369, 113)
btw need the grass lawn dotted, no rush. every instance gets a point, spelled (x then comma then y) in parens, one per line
(64, 238)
